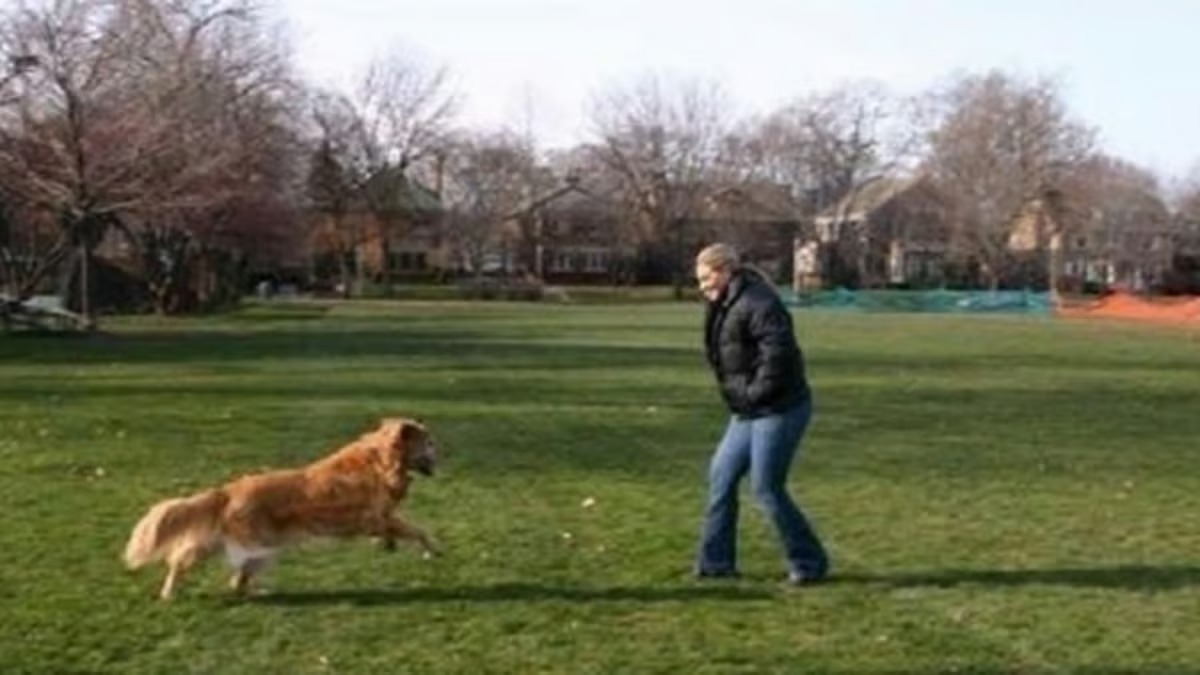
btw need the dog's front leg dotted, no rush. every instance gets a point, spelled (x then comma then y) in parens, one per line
(397, 528)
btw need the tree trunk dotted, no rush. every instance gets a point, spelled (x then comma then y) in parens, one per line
(1054, 266)
(385, 267)
(680, 262)
(344, 273)
(85, 290)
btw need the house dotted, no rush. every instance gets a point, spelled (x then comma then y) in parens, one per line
(390, 232)
(887, 231)
(570, 234)
(1183, 276)
(1126, 240)
(760, 219)
(582, 233)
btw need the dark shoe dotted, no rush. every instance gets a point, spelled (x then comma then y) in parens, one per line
(799, 578)
(716, 574)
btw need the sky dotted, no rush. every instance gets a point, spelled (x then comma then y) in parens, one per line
(1127, 68)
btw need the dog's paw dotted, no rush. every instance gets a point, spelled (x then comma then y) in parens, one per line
(433, 549)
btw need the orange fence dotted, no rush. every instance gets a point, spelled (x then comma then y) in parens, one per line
(1128, 306)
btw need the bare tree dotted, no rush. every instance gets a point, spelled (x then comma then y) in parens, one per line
(28, 239)
(1186, 201)
(404, 108)
(487, 182)
(999, 143)
(151, 115)
(664, 139)
(228, 88)
(1185, 267)
(831, 142)
(828, 146)
(538, 181)
(1111, 214)
(63, 122)
(336, 176)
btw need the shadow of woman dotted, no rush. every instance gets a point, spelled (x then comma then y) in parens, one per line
(512, 592)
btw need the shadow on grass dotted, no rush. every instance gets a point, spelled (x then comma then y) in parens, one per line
(466, 348)
(1128, 577)
(513, 592)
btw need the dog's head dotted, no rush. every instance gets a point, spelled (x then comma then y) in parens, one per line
(407, 446)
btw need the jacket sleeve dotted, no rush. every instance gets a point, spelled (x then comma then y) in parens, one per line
(771, 329)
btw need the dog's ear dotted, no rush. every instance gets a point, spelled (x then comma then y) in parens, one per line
(387, 448)
(395, 432)
(412, 431)
(390, 431)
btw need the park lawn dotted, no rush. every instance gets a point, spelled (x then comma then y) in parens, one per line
(999, 494)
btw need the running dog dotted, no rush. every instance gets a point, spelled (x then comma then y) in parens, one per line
(352, 492)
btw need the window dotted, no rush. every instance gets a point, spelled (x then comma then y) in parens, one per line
(561, 261)
(408, 261)
(596, 261)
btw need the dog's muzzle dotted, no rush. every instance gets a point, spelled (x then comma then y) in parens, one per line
(423, 464)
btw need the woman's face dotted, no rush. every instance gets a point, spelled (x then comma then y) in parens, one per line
(712, 280)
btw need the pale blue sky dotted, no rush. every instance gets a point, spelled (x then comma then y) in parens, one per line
(1129, 67)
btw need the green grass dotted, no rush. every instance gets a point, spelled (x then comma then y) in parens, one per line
(998, 494)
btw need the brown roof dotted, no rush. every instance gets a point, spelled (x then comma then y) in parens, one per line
(757, 201)
(870, 197)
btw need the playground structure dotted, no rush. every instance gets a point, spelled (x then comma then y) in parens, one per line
(43, 314)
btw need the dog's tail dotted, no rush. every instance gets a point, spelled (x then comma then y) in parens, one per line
(195, 518)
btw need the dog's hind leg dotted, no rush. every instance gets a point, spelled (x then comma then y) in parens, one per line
(180, 561)
(240, 581)
(246, 561)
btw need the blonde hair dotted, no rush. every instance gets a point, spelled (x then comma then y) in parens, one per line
(719, 257)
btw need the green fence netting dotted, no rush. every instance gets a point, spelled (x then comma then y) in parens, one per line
(1018, 302)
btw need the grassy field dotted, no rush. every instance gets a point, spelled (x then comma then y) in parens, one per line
(998, 494)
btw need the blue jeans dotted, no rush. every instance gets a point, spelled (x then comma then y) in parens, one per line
(764, 447)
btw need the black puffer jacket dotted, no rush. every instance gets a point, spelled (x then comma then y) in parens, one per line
(752, 348)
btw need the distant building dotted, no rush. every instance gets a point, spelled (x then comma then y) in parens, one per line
(570, 235)
(760, 219)
(1128, 243)
(888, 231)
(395, 235)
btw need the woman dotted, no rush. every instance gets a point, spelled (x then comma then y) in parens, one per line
(759, 368)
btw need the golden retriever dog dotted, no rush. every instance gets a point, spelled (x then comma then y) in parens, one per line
(352, 492)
